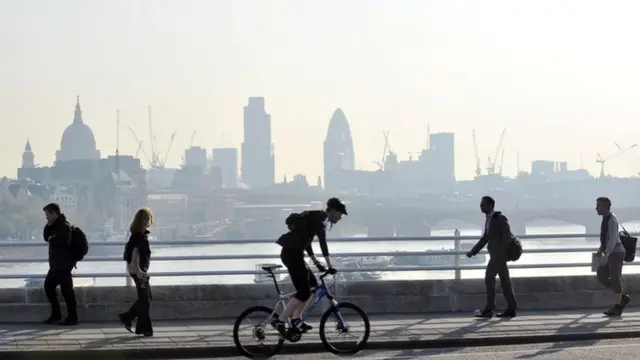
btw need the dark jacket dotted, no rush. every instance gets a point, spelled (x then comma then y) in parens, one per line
(140, 241)
(58, 235)
(497, 238)
(302, 237)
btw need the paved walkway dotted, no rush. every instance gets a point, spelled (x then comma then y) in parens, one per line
(207, 338)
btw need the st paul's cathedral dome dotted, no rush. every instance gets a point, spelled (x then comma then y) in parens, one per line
(78, 142)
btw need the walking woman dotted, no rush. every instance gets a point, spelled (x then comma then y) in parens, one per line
(137, 254)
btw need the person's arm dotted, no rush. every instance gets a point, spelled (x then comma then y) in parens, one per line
(61, 236)
(505, 234)
(612, 235)
(320, 231)
(479, 245)
(134, 267)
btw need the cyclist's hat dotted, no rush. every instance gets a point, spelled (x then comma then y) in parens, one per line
(337, 205)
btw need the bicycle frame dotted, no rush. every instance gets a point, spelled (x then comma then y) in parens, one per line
(319, 292)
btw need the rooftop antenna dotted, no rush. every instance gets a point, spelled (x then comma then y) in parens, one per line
(118, 144)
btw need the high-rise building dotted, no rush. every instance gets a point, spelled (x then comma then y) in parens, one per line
(195, 156)
(226, 159)
(442, 159)
(338, 150)
(258, 162)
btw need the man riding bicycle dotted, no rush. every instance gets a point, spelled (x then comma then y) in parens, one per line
(303, 227)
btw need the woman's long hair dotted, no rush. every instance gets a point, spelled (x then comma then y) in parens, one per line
(141, 221)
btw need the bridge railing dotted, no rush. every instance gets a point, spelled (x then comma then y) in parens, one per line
(456, 264)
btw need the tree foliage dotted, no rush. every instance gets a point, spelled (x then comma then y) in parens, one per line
(20, 219)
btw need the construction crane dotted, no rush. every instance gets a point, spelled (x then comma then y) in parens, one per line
(501, 162)
(491, 168)
(600, 160)
(632, 163)
(386, 150)
(475, 151)
(158, 162)
(193, 136)
(140, 148)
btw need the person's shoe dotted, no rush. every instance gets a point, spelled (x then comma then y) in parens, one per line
(126, 321)
(507, 314)
(280, 326)
(303, 326)
(52, 319)
(614, 311)
(485, 314)
(69, 321)
(626, 299)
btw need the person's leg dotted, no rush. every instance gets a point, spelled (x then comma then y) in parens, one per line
(69, 295)
(294, 261)
(127, 317)
(614, 265)
(143, 308)
(507, 290)
(490, 283)
(50, 284)
(603, 276)
(313, 282)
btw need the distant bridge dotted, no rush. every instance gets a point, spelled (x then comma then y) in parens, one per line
(387, 220)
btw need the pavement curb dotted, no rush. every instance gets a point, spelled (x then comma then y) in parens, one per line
(307, 348)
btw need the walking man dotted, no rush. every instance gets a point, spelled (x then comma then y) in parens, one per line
(611, 254)
(58, 234)
(497, 236)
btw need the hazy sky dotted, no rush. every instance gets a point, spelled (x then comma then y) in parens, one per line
(562, 76)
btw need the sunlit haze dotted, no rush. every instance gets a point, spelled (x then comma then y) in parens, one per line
(561, 76)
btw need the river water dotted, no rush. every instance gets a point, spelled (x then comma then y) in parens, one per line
(335, 247)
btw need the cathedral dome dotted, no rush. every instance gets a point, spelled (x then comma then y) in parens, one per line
(78, 141)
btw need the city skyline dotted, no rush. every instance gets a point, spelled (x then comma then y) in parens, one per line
(564, 91)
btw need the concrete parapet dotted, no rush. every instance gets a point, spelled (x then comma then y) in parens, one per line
(187, 302)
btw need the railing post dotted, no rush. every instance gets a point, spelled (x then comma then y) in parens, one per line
(457, 247)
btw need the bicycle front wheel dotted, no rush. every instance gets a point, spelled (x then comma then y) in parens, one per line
(343, 320)
(258, 331)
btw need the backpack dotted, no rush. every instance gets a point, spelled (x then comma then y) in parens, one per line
(79, 244)
(296, 221)
(629, 243)
(514, 251)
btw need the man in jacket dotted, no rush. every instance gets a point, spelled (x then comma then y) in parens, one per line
(497, 236)
(58, 234)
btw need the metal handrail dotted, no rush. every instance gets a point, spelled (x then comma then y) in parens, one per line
(457, 267)
(349, 239)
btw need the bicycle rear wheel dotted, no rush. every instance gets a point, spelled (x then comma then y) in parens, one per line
(258, 333)
(343, 327)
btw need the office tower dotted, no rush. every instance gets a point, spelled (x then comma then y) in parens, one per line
(195, 156)
(338, 150)
(258, 163)
(226, 159)
(442, 158)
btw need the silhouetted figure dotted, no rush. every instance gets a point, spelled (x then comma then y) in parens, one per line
(137, 254)
(58, 233)
(497, 236)
(611, 254)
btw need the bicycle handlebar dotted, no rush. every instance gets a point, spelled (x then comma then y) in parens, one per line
(325, 274)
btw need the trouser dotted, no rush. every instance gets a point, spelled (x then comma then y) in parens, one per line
(499, 268)
(610, 275)
(301, 276)
(141, 308)
(63, 278)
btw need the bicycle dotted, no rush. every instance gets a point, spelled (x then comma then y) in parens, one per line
(293, 334)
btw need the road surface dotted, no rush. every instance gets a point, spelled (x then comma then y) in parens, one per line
(626, 349)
